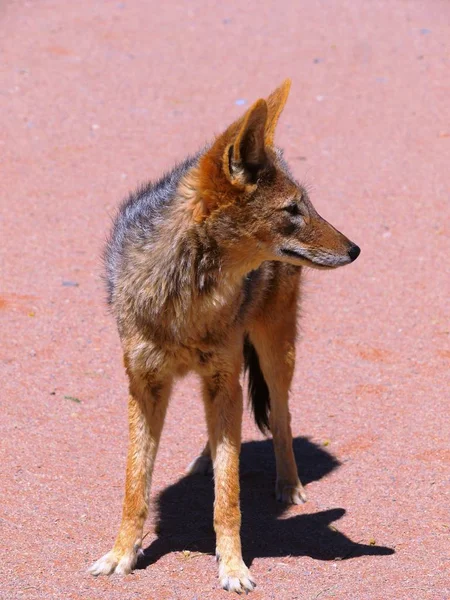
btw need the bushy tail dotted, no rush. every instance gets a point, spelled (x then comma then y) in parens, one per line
(258, 392)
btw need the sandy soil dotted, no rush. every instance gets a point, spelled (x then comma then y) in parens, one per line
(96, 97)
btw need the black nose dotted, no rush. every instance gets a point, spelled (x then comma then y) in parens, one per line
(354, 252)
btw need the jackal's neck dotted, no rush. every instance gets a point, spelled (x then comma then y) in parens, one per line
(193, 266)
(225, 245)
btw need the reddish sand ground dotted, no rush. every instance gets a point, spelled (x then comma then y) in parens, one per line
(98, 96)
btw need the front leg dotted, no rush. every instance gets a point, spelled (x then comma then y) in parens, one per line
(147, 406)
(223, 405)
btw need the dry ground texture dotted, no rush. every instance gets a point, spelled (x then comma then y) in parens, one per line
(98, 96)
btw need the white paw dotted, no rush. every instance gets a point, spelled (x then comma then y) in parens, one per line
(202, 465)
(236, 580)
(290, 494)
(110, 563)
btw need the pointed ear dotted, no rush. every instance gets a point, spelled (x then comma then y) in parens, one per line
(244, 158)
(275, 105)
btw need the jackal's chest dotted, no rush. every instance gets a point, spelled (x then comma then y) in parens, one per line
(198, 319)
(194, 335)
(204, 357)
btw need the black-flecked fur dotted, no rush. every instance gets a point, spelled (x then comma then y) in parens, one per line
(138, 215)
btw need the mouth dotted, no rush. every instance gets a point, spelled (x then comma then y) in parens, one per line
(307, 262)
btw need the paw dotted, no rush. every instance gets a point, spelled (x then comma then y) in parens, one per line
(202, 465)
(113, 563)
(236, 579)
(290, 493)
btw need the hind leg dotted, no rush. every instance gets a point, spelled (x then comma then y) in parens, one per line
(202, 465)
(147, 406)
(274, 341)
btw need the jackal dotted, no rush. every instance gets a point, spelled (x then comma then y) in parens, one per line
(203, 270)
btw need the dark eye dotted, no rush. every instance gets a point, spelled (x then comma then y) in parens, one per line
(292, 209)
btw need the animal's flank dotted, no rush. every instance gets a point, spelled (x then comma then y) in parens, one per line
(258, 392)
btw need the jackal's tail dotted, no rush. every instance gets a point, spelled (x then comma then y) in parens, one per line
(258, 392)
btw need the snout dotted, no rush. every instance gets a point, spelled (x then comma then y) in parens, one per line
(354, 252)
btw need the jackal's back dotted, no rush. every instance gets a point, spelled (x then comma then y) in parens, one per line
(137, 219)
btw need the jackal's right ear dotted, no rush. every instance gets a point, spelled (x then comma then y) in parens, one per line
(245, 156)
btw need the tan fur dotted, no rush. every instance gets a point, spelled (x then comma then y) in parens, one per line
(273, 332)
(184, 299)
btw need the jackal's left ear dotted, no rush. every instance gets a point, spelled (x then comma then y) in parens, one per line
(245, 157)
(275, 105)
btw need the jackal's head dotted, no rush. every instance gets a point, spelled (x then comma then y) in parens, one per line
(252, 203)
